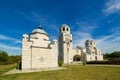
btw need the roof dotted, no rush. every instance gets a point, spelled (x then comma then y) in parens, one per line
(64, 25)
(89, 40)
(39, 30)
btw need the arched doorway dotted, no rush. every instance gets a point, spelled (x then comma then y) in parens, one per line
(76, 58)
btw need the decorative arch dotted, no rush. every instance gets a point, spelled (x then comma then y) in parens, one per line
(76, 58)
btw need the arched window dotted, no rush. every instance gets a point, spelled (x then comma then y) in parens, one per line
(90, 43)
(63, 29)
(67, 29)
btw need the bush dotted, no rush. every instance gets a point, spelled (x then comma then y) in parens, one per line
(117, 62)
(19, 66)
(60, 63)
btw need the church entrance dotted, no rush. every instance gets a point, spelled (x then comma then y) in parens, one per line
(76, 58)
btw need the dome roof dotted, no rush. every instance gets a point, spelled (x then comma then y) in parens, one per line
(90, 40)
(39, 30)
(64, 25)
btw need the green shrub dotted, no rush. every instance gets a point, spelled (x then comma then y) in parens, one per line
(60, 63)
(117, 62)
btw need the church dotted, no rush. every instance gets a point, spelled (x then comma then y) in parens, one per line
(38, 52)
(68, 54)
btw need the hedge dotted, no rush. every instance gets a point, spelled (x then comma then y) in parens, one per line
(116, 62)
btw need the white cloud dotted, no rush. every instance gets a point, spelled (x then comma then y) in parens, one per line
(83, 33)
(109, 43)
(86, 27)
(10, 49)
(115, 30)
(39, 19)
(79, 38)
(112, 6)
(15, 41)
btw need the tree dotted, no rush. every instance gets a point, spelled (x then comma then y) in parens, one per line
(3, 56)
(6, 59)
(113, 55)
(14, 58)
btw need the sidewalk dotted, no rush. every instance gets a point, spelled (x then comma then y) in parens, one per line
(15, 71)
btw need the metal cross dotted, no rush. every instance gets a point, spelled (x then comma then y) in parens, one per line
(41, 59)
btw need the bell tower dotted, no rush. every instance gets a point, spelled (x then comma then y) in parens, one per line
(65, 44)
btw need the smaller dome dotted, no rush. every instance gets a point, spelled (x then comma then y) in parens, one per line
(90, 40)
(39, 30)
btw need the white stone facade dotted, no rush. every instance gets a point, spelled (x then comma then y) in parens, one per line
(92, 53)
(66, 51)
(68, 55)
(38, 51)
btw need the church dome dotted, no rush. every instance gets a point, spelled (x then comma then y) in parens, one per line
(90, 40)
(64, 25)
(39, 30)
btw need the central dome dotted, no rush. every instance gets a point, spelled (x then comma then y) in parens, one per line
(39, 30)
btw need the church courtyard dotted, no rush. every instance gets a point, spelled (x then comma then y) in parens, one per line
(73, 72)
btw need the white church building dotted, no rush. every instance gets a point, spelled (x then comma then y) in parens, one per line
(39, 52)
(68, 54)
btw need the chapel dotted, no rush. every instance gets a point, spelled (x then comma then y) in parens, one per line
(38, 51)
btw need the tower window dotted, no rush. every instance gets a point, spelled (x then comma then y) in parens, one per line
(67, 29)
(63, 29)
(90, 43)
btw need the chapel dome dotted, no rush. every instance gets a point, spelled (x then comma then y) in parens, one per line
(90, 40)
(39, 30)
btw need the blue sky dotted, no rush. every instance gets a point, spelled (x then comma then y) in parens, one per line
(88, 19)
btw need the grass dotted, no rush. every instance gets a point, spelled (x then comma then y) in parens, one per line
(5, 68)
(74, 72)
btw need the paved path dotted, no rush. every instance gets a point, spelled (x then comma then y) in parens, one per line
(15, 71)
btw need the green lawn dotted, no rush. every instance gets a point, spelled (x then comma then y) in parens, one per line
(74, 72)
